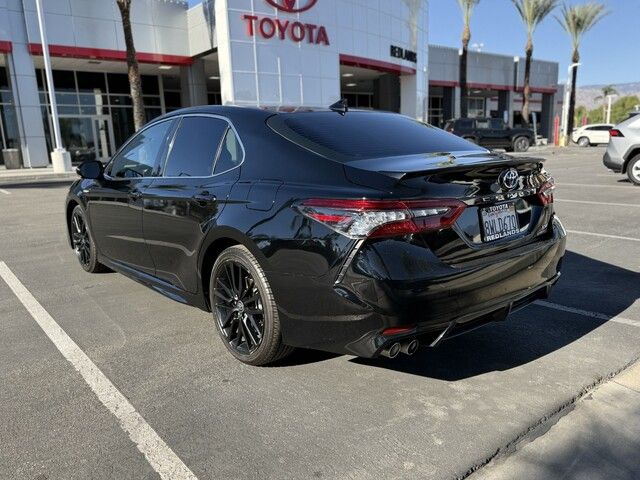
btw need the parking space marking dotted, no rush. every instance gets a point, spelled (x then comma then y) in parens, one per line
(587, 313)
(603, 235)
(6, 192)
(586, 202)
(161, 458)
(563, 184)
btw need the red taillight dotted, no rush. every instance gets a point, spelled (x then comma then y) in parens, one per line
(614, 132)
(361, 218)
(545, 192)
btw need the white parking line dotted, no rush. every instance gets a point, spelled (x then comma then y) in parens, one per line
(163, 460)
(589, 185)
(587, 202)
(586, 313)
(6, 192)
(603, 235)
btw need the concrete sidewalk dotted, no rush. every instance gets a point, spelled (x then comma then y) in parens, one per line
(28, 175)
(598, 439)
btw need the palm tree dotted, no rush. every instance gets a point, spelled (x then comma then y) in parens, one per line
(606, 91)
(578, 20)
(467, 9)
(135, 84)
(532, 13)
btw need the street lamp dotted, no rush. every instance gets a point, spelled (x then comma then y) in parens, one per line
(609, 99)
(60, 158)
(565, 105)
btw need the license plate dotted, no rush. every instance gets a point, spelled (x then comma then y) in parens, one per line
(499, 221)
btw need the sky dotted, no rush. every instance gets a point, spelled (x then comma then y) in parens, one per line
(609, 52)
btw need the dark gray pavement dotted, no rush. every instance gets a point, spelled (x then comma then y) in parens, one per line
(439, 414)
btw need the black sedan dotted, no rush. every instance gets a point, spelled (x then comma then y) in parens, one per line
(363, 233)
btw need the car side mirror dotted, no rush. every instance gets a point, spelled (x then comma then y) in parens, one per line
(90, 169)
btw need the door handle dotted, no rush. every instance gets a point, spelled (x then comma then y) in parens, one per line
(203, 198)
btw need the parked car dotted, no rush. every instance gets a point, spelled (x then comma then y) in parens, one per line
(593, 134)
(491, 133)
(361, 233)
(623, 152)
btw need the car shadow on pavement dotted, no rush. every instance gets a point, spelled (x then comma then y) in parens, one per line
(531, 333)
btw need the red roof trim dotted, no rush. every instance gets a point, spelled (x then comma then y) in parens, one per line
(378, 65)
(5, 46)
(109, 55)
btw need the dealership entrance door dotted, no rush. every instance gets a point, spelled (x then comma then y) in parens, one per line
(370, 89)
(87, 137)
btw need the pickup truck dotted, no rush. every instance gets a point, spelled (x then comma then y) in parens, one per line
(491, 133)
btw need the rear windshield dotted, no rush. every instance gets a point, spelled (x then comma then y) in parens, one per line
(361, 135)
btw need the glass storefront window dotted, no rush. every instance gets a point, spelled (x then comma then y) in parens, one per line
(9, 135)
(65, 81)
(475, 107)
(118, 83)
(91, 81)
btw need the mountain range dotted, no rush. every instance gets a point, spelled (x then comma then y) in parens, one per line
(587, 95)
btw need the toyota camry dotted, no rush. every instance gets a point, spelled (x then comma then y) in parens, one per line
(355, 232)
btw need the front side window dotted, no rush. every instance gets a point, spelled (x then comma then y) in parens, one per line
(195, 147)
(138, 158)
(497, 123)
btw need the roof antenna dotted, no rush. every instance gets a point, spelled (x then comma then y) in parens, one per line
(341, 106)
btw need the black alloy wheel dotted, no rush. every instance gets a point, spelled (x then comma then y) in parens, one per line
(240, 312)
(244, 309)
(83, 244)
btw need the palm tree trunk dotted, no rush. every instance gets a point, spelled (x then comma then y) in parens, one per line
(135, 84)
(464, 94)
(572, 98)
(526, 94)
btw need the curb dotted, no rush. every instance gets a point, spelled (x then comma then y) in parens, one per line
(37, 178)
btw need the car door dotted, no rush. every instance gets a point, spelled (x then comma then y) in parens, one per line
(180, 205)
(602, 134)
(486, 136)
(115, 203)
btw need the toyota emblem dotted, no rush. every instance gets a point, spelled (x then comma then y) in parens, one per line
(509, 179)
(292, 6)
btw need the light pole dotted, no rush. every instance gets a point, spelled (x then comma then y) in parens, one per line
(565, 106)
(609, 99)
(60, 158)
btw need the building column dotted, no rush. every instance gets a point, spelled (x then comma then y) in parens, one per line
(22, 72)
(505, 104)
(546, 117)
(457, 102)
(193, 83)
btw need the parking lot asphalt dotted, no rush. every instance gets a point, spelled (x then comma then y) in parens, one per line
(439, 414)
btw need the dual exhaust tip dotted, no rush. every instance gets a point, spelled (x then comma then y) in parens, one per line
(395, 349)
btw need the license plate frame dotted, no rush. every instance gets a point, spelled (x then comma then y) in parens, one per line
(499, 221)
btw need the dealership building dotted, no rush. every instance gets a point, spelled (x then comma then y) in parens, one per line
(375, 53)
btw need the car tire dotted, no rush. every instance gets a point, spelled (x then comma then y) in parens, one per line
(583, 142)
(521, 144)
(633, 170)
(244, 309)
(82, 242)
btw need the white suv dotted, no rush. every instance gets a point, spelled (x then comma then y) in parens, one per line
(593, 134)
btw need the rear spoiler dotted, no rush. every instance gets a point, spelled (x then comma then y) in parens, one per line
(399, 168)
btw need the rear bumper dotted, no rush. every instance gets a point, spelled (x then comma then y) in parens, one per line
(613, 163)
(349, 317)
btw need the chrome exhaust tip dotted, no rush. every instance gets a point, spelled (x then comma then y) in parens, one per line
(392, 351)
(409, 348)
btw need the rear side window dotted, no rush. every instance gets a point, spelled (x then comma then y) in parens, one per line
(360, 135)
(465, 124)
(195, 147)
(497, 123)
(230, 153)
(484, 123)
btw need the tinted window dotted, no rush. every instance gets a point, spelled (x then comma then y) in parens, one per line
(139, 156)
(195, 147)
(497, 123)
(464, 123)
(230, 153)
(358, 135)
(484, 123)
